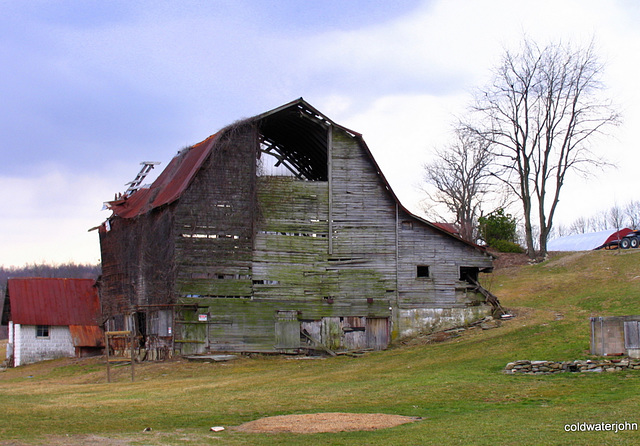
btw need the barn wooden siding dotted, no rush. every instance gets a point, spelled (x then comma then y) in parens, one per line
(305, 277)
(137, 262)
(248, 262)
(283, 262)
(214, 223)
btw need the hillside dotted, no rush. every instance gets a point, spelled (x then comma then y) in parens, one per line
(456, 387)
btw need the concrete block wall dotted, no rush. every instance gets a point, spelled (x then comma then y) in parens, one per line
(28, 348)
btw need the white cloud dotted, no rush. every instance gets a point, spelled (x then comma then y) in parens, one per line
(46, 217)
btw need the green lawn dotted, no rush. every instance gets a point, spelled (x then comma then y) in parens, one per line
(456, 387)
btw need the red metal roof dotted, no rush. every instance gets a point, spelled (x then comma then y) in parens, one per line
(40, 301)
(169, 185)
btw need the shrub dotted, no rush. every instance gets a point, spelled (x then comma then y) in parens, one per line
(506, 246)
(498, 226)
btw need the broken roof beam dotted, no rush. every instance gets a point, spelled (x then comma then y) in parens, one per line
(294, 160)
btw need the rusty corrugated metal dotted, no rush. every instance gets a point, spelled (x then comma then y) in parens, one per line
(449, 227)
(87, 335)
(45, 301)
(169, 185)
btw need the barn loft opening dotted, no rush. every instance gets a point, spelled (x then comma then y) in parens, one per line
(294, 141)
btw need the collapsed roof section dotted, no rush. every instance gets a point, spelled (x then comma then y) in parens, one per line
(295, 134)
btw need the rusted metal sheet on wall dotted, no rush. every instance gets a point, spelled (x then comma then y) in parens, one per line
(87, 335)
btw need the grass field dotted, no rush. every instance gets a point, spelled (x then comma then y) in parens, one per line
(456, 386)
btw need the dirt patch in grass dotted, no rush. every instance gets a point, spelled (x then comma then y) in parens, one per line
(509, 260)
(324, 422)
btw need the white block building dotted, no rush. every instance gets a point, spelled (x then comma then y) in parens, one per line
(51, 318)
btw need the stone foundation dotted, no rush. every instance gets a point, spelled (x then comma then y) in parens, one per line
(549, 367)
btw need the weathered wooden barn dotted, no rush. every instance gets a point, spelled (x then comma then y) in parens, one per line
(51, 318)
(280, 233)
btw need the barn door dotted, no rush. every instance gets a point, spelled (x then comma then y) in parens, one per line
(191, 337)
(287, 329)
(631, 334)
(377, 331)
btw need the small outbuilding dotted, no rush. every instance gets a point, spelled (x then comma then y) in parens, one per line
(615, 336)
(51, 318)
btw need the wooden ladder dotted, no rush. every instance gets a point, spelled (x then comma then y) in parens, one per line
(137, 181)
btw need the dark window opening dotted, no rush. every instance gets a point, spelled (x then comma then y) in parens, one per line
(42, 331)
(141, 322)
(407, 225)
(423, 271)
(469, 274)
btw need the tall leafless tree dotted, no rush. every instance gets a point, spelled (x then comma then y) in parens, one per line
(616, 217)
(580, 225)
(461, 176)
(632, 213)
(539, 114)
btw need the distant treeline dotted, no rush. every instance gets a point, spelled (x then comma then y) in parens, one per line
(63, 270)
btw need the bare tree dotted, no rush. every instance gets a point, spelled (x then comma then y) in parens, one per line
(460, 173)
(539, 114)
(599, 221)
(560, 231)
(632, 214)
(616, 217)
(579, 226)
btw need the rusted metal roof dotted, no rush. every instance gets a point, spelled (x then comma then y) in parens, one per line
(297, 130)
(43, 301)
(87, 335)
(449, 227)
(169, 185)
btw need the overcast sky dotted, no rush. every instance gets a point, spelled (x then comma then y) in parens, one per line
(92, 88)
